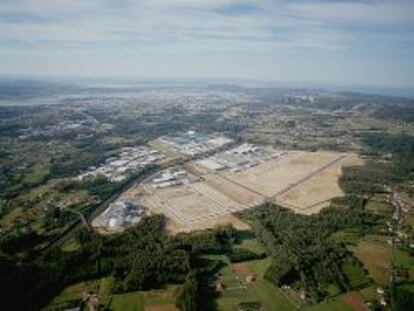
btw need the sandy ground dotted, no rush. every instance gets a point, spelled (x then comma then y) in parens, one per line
(316, 192)
(233, 191)
(273, 176)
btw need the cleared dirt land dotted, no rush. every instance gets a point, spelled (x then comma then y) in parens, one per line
(315, 193)
(302, 181)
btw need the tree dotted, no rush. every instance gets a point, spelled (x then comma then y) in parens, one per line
(187, 296)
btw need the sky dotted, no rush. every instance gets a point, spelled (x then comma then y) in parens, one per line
(369, 42)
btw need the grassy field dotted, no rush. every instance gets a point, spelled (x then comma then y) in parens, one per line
(128, 301)
(37, 173)
(72, 295)
(137, 301)
(246, 240)
(377, 257)
(261, 290)
(375, 254)
(133, 301)
(378, 204)
(70, 245)
(402, 259)
(355, 274)
(337, 304)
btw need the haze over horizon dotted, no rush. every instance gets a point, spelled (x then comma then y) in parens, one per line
(339, 42)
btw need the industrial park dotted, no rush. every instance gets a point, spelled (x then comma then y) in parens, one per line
(218, 183)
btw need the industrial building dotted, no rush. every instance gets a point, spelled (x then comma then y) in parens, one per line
(172, 177)
(119, 215)
(239, 158)
(129, 161)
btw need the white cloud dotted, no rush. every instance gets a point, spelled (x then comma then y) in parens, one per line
(382, 12)
(32, 28)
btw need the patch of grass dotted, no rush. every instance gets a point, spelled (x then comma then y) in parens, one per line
(74, 293)
(37, 174)
(409, 218)
(368, 293)
(11, 216)
(337, 304)
(137, 301)
(127, 302)
(376, 257)
(70, 245)
(355, 274)
(161, 296)
(332, 290)
(247, 240)
(261, 290)
(132, 301)
(379, 206)
(346, 236)
(403, 259)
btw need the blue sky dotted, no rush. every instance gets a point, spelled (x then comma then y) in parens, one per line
(367, 42)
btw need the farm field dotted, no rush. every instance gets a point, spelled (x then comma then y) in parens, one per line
(375, 254)
(271, 297)
(160, 300)
(337, 304)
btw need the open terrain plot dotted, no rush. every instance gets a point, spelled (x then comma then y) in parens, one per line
(194, 206)
(315, 192)
(278, 176)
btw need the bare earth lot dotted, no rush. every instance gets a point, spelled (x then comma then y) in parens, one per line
(302, 181)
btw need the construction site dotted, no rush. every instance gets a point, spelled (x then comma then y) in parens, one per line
(208, 191)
